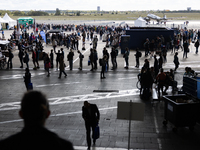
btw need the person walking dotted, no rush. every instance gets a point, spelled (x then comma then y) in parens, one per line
(176, 62)
(27, 78)
(70, 59)
(91, 116)
(34, 111)
(62, 67)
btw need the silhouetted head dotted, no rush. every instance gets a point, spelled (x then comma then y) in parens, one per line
(34, 108)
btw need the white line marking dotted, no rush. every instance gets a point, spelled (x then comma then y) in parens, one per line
(78, 56)
(127, 78)
(56, 115)
(45, 85)
(18, 76)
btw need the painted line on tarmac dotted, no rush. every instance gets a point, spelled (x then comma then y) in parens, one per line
(18, 76)
(127, 78)
(45, 85)
(99, 148)
(76, 98)
(78, 56)
(62, 114)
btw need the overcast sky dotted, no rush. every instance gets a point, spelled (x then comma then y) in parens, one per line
(107, 5)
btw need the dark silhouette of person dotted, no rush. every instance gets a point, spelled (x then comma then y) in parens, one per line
(91, 115)
(34, 111)
(27, 78)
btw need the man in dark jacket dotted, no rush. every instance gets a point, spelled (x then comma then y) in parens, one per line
(197, 45)
(70, 59)
(20, 55)
(91, 115)
(57, 57)
(113, 58)
(137, 56)
(34, 111)
(10, 57)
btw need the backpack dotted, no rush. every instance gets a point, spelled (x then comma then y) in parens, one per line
(12, 56)
(116, 51)
(140, 54)
(100, 62)
(82, 56)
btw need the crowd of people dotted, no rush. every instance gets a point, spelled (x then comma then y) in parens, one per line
(156, 48)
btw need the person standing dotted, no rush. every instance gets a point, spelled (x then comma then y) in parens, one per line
(91, 116)
(113, 58)
(95, 40)
(197, 46)
(62, 67)
(57, 58)
(70, 59)
(26, 59)
(161, 77)
(156, 67)
(146, 47)
(34, 59)
(20, 55)
(76, 42)
(105, 52)
(176, 62)
(185, 49)
(37, 58)
(27, 78)
(47, 64)
(54, 43)
(10, 57)
(103, 66)
(160, 61)
(137, 56)
(51, 58)
(91, 58)
(95, 59)
(81, 56)
(91, 35)
(34, 111)
(126, 56)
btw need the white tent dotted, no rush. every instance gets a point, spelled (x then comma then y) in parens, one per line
(140, 22)
(2, 21)
(11, 22)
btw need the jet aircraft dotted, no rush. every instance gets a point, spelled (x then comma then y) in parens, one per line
(154, 17)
